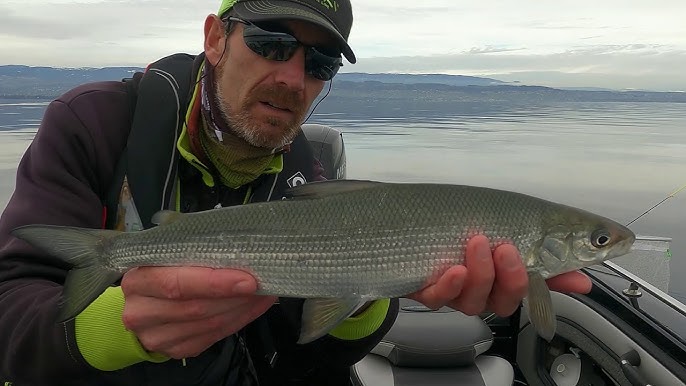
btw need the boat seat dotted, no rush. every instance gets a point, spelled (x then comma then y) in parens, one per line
(427, 347)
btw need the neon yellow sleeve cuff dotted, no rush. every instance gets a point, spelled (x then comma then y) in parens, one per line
(364, 324)
(103, 340)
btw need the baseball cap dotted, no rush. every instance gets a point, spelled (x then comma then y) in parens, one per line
(335, 16)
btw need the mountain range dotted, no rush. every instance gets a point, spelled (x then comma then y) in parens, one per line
(26, 82)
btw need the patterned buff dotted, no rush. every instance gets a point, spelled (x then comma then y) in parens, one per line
(237, 162)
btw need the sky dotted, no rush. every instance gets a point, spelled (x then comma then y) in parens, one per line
(619, 44)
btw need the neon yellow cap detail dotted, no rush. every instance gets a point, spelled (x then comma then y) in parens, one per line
(226, 5)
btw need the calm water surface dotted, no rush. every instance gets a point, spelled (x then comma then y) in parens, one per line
(616, 159)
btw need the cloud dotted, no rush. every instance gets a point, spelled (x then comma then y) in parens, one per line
(610, 38)
(90, 21)
(578, 24)
(639, 49)
(411, 28)
(15, 25)
(70, 33)
(491, 50)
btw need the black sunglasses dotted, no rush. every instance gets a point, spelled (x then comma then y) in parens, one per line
(281, 46)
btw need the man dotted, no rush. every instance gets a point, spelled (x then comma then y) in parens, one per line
(263, 64)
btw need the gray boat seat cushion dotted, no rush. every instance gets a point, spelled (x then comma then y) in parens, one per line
(421, 337)
(427, 347)
(374, 370)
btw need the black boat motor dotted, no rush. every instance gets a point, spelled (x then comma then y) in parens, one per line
(329, 149)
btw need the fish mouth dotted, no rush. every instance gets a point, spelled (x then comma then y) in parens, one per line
(622, 247)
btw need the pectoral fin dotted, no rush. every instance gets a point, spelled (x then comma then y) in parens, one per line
(321, 315)
(540, 307)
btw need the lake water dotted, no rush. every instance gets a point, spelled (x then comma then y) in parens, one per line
(616, 159)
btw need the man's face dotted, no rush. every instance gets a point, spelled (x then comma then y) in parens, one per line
(265, 101)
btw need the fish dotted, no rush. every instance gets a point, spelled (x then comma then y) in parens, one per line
(339, 244)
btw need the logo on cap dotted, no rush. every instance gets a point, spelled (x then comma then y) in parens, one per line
(329, 4)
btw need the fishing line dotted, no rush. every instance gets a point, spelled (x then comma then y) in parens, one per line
(674, 193)
(604, 272)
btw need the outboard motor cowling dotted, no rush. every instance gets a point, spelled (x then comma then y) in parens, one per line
(329, 149)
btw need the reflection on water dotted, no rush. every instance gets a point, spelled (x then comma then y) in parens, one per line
(616, 159)
(20, 114)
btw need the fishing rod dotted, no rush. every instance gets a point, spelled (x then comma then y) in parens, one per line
(674, 193)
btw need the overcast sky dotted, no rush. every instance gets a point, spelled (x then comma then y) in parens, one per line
(600, 43)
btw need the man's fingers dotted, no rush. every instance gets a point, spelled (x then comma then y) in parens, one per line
(188, 339)
(148, 311)
(448, 286)
(479, 281)
(574, 281)
(511, 281)
(187, 282)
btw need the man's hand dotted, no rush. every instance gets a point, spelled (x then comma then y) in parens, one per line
(179, 312)
(496, 281)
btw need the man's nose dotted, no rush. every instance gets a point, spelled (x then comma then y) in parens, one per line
(292, 72)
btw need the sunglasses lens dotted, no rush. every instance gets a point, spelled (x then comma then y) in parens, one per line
(277, 46)
(321, 66)
(273, 50)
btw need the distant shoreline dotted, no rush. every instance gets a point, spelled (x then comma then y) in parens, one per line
(46, 83)
(374, 92)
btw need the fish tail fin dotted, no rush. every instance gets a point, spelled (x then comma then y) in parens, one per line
(82, 249)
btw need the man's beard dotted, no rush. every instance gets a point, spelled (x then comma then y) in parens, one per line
(244, 125)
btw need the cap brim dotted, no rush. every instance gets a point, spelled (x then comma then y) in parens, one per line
(272, 10)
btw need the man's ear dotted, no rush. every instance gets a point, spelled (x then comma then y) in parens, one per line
(215, 39)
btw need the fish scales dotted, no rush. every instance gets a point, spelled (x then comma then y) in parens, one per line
(383, 243)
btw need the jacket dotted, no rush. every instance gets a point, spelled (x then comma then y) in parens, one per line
(63, 179)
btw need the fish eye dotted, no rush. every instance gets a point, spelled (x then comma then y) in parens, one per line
(600, 238)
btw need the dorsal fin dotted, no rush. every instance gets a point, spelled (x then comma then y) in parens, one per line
(165, 217)
(331, 187)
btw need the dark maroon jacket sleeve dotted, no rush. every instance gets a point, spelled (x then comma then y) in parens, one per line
(59, 181)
